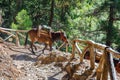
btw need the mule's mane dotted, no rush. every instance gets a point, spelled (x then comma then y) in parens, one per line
(56, 35)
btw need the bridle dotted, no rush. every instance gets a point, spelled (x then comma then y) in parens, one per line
(63, 37)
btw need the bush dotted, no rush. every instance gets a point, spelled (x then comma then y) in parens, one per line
(23, 21)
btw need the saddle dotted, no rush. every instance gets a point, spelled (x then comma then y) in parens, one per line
(43, 29)
(46, 28)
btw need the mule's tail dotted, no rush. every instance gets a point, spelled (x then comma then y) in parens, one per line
(26, 40)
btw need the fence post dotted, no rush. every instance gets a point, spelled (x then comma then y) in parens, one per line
(73, 50)
(17, 39)
(83, 53)
(105, 65)
(99, 70)
(66, 48)
(92, 56)
(111, 67)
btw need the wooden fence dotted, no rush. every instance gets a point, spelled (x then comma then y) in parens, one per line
(106, 62)
(13, 33)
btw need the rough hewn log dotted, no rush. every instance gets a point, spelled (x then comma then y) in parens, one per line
(3, 31)
(61, 45)
(1, 40)
(78, 49)
(21, 35)
(105, 66)
(7, 29)
(66, 47)
(99, 46)
(106, 62)
(14, 36)
(73, 50)
(8, 37)
(17, 40)
(92, 57)
(99, 69)
(111, 67)
(83, 53)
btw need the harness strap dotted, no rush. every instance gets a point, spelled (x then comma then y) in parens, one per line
(44, 30)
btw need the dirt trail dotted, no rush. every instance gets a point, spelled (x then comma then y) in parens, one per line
(25, 61)
(30, 71)
(25, 68)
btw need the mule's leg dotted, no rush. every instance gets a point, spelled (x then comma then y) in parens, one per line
(32, 48)
(50, 45)
(35, 47)
(44, 48)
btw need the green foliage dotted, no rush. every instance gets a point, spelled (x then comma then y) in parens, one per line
(14, 26)
(38, 10)
(85, 19)
(81, 25)
(23, 21)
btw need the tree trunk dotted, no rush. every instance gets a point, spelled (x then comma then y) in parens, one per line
(18, 8)
(51, 13)
(1, 18)
(19, 5)
(109, 35)
(62, 14)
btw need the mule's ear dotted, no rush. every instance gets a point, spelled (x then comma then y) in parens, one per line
(39, 27)
(61, 30)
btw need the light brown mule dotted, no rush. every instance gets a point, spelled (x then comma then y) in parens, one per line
(45, 38)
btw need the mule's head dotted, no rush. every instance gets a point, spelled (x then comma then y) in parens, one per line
(63, 36)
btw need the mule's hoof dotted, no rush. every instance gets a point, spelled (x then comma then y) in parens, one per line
(33, 53)
(36, 49)
(43, 51)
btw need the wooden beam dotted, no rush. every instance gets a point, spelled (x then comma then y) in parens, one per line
(7, 29)
(61, 45)
(17, 39)
(99, 69)
(66, 48)
(78, 49)
(111, 67)
(20, 34)
(8, 37)
(7, 32)
(14, 36)
(83, 53)
(99, 46)
(105, 66)
(1, 40)
(73, 51)
(92, 57)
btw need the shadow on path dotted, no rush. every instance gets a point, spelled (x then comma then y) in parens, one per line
(52, 77)
(23, 57)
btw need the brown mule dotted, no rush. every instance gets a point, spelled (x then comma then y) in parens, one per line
(45, 38)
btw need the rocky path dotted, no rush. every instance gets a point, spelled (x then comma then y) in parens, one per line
(23, 65)
(29, 71)
(25, 62)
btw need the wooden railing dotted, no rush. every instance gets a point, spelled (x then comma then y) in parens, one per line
(106, 62)
(13, 33)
